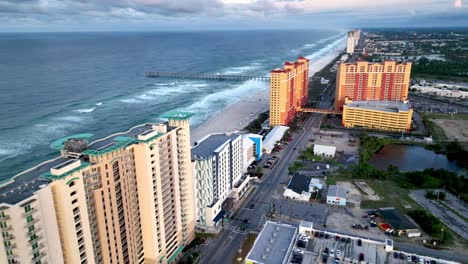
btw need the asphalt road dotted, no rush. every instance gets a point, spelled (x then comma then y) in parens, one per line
(457, 224)
(225, 248)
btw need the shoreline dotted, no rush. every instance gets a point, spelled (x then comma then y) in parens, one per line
(238, 115)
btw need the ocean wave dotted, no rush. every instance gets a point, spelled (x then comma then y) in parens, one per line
(326, 49)
(130, 101)
(98, 104)
(85, 110)
(73, 119)
(242, 69)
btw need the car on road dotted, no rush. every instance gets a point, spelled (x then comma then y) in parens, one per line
(326, 250)
(252, 206)
(324, 259)
(274, 157)
(294, 148)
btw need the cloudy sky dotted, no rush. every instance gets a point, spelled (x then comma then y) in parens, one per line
(102, 15)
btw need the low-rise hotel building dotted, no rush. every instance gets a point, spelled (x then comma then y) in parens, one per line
(217, 163)
(126, 198)
(378, 115)
(251, 149)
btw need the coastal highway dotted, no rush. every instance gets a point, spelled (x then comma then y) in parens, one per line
(224, 249)
(227, 245)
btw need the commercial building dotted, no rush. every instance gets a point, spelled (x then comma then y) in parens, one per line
(288, 91)
(401, 224)
(273, 245)
(352, 41)
(362, 80)
(217, 162)
(126, 198)
(251, 149)
(337, 195)
(272, 138)
(324, 151)
(299, 188)
(378, 115)
(431, 90)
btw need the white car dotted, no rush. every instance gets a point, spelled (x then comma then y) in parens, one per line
(338, 252)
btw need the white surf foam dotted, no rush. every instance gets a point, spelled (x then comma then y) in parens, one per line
(130, 101)
(327, 49)
(98, 104)
(85, 110)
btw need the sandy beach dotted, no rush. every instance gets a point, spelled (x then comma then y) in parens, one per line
(238, 115)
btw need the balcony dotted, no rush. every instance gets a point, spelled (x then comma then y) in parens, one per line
(10, 247)
(4, 218)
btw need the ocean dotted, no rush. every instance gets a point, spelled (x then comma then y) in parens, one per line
(58, 84)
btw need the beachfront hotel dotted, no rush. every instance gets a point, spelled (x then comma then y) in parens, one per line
(288, 91)
(126, 198)
(352, 40)
(362, 80)
(378, 115)
(217, 162)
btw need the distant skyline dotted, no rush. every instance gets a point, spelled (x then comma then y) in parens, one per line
(128, 15)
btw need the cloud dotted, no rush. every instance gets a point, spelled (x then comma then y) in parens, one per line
(219, 13)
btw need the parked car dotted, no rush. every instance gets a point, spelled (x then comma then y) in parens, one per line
(361, 257)
(359, 242)
(338, 252)
(402, 256)
(395, 254)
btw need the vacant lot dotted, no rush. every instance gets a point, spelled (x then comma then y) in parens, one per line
(453, 129)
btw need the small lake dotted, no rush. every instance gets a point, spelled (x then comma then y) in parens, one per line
(411, 158)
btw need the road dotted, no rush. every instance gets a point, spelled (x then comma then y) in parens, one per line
(455, 222)
(225, 248)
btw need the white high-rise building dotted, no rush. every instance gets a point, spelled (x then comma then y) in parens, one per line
(217, 161)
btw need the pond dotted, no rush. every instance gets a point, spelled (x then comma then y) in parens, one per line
(411, 158)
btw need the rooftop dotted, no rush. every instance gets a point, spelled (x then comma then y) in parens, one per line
(27, 182)
(273, 243)
(299, 183)
(396, 219)
(24, 184)
(210, 144)
(337, 191)
(178, 115)
(386, 106)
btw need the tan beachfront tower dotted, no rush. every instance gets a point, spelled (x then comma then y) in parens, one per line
(127, 198)
(362, 80)
(289, 88)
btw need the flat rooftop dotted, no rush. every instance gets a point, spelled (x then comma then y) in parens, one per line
(208, 145)
(27, 182)
(385, 106)
(24, 184)
(337, 191)
(396, 219)
(273, 243)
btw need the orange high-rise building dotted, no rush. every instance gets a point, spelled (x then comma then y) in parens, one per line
(362, 80)
(288, 91)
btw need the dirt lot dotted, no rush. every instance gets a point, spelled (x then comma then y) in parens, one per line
(339, 139)
(453, 129)
(371, 195)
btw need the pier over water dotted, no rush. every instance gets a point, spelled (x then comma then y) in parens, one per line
(205, 76)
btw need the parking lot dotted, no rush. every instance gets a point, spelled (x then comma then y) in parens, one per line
(342, 140)
(328, 247)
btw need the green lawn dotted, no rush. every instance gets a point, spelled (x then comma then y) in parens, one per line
(391, 196)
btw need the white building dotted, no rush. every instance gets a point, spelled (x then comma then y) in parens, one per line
(337, 195)
(299, 188)
(251, 149)
(273, 137)
(273, 245)
(217, 161)
(324, 151)
(440, 91)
